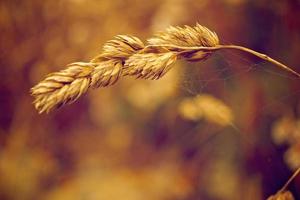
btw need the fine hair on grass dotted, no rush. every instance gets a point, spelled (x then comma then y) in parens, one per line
(127, 55)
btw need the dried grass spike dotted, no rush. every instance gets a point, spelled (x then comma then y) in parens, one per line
(149, 65)
(127, 55)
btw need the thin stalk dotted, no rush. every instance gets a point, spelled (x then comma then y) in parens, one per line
(289, 181)
(244, 49)
(262, 56)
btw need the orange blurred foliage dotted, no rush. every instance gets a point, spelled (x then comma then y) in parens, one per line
(129, 141)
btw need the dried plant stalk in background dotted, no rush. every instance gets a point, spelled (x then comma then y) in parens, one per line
(206, 107)
(284, 194)
(128, 56)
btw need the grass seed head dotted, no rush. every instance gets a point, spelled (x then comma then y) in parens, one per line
(126, 55)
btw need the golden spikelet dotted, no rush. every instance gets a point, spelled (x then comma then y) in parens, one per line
(62, 87)
(127, 56)
(176, 38)
(186, 37)
(121, 47)
(149, 65)
(106, 73)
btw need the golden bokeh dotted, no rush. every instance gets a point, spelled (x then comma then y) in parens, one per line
(225, 128)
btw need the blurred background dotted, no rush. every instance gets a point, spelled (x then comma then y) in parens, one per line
(224, 129)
